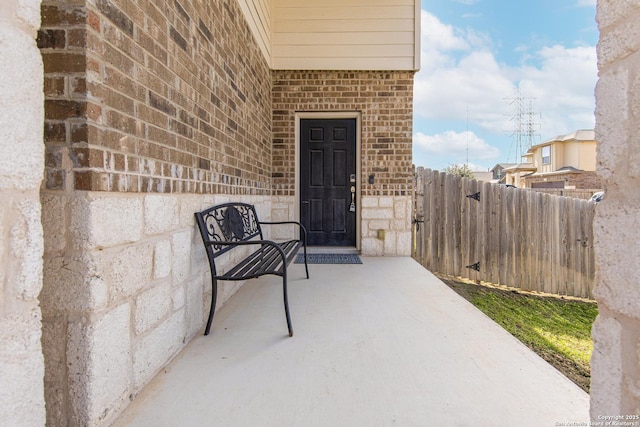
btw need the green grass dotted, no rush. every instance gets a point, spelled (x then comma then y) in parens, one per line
(558, 329)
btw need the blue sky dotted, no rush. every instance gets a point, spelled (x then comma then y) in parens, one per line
(478, 56)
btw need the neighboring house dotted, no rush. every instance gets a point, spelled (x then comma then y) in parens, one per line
(483, 176)
(515, 174)
(497, 173)
(154, 110)
(564, 162)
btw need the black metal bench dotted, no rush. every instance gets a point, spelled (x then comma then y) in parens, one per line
(232, 225)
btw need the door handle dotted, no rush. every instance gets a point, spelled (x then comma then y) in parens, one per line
(352, 206)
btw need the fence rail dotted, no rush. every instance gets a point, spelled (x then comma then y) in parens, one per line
(507, 236)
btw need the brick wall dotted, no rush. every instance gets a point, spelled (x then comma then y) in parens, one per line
(148, 98)
(579, 180)
(385, 103)
(385, 100)
(153, 111)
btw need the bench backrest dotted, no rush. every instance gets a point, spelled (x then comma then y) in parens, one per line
(229, 222)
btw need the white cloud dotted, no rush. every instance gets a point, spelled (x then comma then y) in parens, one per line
(459, 145)
(563, 87)
(436, 40)
(461, 79)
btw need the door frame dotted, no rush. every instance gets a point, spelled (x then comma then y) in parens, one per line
(331, 115)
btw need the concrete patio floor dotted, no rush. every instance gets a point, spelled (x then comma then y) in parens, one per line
(384, 343)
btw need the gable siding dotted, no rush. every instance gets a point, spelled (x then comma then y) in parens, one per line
(345, 34)
(258, 16)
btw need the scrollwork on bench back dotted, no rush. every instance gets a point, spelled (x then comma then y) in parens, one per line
(231, 222)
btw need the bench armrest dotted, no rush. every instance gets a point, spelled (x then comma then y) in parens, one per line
(303, 229)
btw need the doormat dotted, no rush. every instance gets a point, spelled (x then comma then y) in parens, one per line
(329, 259)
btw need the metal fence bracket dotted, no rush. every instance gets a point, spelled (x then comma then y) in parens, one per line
(475, 266)
(475, 196)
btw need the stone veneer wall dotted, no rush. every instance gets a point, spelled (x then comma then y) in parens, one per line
(21, 241)
(385, 102)
(615, 364)
(153, 111)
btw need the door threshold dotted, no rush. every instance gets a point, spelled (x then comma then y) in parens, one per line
(332, 250)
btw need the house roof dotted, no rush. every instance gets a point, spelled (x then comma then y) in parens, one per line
(562, 171)
(503, 165)
(578, 136)
(521, 167)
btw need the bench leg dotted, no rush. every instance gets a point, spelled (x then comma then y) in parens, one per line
(286, 303)
(306, 267)
(214, 296)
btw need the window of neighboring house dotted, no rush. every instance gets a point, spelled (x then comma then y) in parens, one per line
(546, 155)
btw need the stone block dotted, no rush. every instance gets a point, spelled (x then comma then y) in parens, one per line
(129, 270)
(280, 214)
(161, 214)
(612, 113)
(195, 311)
(404, 243)
(28, 12)
(188, 206)
(6, 212)
(401, 224)
(21, 109)
(390, 243)
(615, 242)
(54, 214)
(99, 362)
(377, 213)
(73, 284)
(152, 306)
(181, 248)
(178, 297)
(402, 207)
(25, 244)
(372, 247)
(369, 202)
(105, 221)
(385, 202)
(21, 369)
(616, 10)
(54, 338)
(372, 226)
(162, 259)
(606, 366)
(199, 261)
(157, 348)
(618, 43)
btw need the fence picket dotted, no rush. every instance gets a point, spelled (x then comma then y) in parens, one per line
(520, 238)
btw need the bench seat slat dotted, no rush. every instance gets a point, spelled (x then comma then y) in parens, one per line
(266, 260)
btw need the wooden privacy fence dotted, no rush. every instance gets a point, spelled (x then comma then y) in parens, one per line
(502, 235)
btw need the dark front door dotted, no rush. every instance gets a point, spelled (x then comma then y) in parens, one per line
(327, 175)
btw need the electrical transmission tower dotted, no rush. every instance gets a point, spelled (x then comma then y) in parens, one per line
(526, 124)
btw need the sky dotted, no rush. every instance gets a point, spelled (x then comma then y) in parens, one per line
(483, 61)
